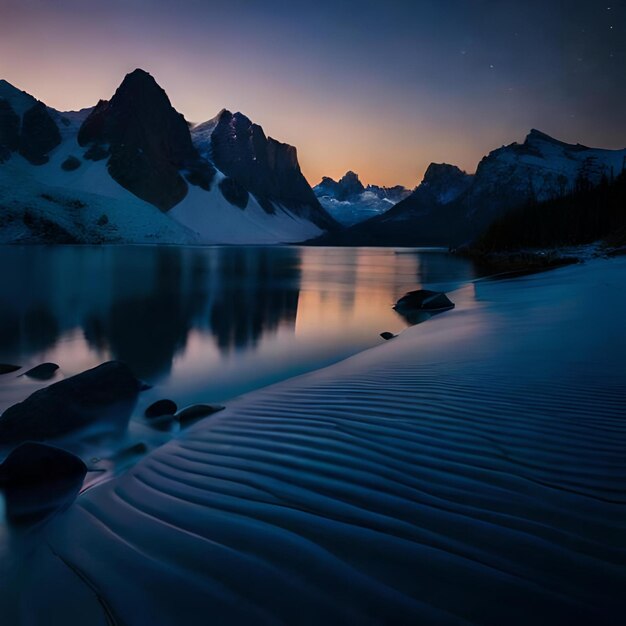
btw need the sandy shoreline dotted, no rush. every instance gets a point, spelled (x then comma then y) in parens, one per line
(453, 475)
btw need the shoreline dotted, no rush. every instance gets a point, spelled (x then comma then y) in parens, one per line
(402, 476)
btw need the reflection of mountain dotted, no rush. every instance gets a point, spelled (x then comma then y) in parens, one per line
(260, 291)
(146, 330)
(138, 305)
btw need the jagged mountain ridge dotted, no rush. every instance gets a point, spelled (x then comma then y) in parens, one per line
(133, 152)
(451, 207)
(349, 202)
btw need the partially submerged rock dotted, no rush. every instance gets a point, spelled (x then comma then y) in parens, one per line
(197, 411)
(35, 463)
(7, 368)
(160, 408)
(38, 479)
(44, 371)
(425, 300)
(106, 392)
(387, 336)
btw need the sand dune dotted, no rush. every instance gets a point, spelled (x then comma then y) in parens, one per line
(472, 471)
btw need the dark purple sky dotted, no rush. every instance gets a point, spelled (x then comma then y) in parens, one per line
(380, 87)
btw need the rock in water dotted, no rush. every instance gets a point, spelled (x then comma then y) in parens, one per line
(7, 368)
(424, 300)
(107, 392)
(387, 336)
(38, 479)
(44, 371)
(198, 411)
(160, 408)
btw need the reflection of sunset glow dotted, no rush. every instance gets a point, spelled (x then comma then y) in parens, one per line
(359, 295)
(221, 321)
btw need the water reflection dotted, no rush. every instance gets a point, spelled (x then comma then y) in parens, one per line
(208, 323)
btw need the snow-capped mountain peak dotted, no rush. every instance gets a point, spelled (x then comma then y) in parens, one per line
(128, 170)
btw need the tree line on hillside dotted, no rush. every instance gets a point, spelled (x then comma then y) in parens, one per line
(587, 214)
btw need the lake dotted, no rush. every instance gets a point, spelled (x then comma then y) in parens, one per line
(204, 323)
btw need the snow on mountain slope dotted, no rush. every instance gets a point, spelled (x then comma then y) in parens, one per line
(201, 135)
(540, 169)
(111, 168)
(225, 223)
(349, 202)
(201, 217)
(34, 211)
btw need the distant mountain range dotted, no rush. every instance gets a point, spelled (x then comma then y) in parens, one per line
(451, 207)
(131, 169)
(349, 202)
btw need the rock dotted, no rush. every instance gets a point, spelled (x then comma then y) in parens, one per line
(234, 192)
(36, 463)
(39, 134)
(197, 411)
(424, 300)
(105, 393)
(44, 371)
(9, 127)
(38, 479)
(70, 164)
(387, 336)
(347, 187)
(160, 408)
(6, 368)
(96, 152)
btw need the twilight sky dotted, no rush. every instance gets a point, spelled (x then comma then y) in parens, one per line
(382, 87)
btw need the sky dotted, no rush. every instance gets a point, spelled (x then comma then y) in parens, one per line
(382, 87)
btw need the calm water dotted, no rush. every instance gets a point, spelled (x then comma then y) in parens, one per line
(203, 324)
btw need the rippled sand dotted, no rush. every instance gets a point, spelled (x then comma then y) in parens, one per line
(472, 470)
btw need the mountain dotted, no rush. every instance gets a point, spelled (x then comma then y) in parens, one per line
(131, 169)
(264, 167)
(349, 202)
(589, 214)
(450, 207)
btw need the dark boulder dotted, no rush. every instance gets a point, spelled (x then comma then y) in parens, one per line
(149, 141)
(33, 462)
(234, 193)
(7, 368)
(197, 411)
(9, 127)
(387, 336)
(44, 371)
(38, 479)
(105, 393)
(160, 408)
(96, 152)
(39, 135)
(70, 164)
(424, 300)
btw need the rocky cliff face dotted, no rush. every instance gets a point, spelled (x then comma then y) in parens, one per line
(147, 142)
(347, 187)
(267, 168)
(26, 126)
